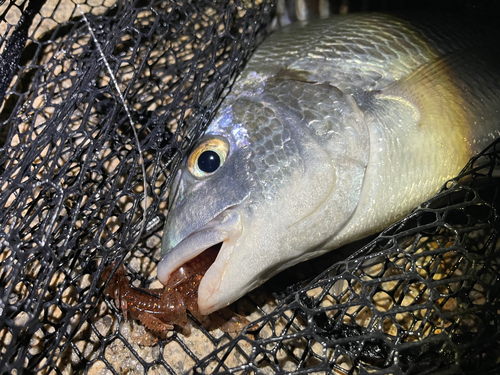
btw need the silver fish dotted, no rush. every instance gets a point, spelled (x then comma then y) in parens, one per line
(333, 131)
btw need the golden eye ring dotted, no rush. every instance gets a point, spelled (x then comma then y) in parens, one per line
(208, 157)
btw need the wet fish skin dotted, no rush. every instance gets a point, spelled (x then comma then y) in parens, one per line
(335, 131)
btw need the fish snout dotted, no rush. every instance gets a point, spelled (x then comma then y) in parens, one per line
(224, 229)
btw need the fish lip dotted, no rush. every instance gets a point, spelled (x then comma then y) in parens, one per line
(225, 227)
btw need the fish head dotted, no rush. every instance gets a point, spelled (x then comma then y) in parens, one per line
(273, 197)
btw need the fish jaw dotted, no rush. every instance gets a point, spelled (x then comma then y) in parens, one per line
(226, 228)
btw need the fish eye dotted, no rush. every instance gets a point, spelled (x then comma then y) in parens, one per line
(207, 157)
(208, 161)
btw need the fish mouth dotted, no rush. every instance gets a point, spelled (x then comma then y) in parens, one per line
(224, 231)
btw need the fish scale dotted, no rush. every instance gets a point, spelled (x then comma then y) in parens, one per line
(272, 156)
(333, 131)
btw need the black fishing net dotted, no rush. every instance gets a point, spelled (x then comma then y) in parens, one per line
(95, 96)
(422, 298)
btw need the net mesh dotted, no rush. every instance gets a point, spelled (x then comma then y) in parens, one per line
(421, 298)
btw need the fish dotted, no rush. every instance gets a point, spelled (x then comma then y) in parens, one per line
(334, 130)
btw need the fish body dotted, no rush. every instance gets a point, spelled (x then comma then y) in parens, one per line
(333, 131)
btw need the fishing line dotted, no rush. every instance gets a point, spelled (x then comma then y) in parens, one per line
(122, 99)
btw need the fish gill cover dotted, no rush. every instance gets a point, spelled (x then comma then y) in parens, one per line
(421, 298)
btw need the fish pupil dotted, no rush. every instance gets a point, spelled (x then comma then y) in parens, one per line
(209, 161)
